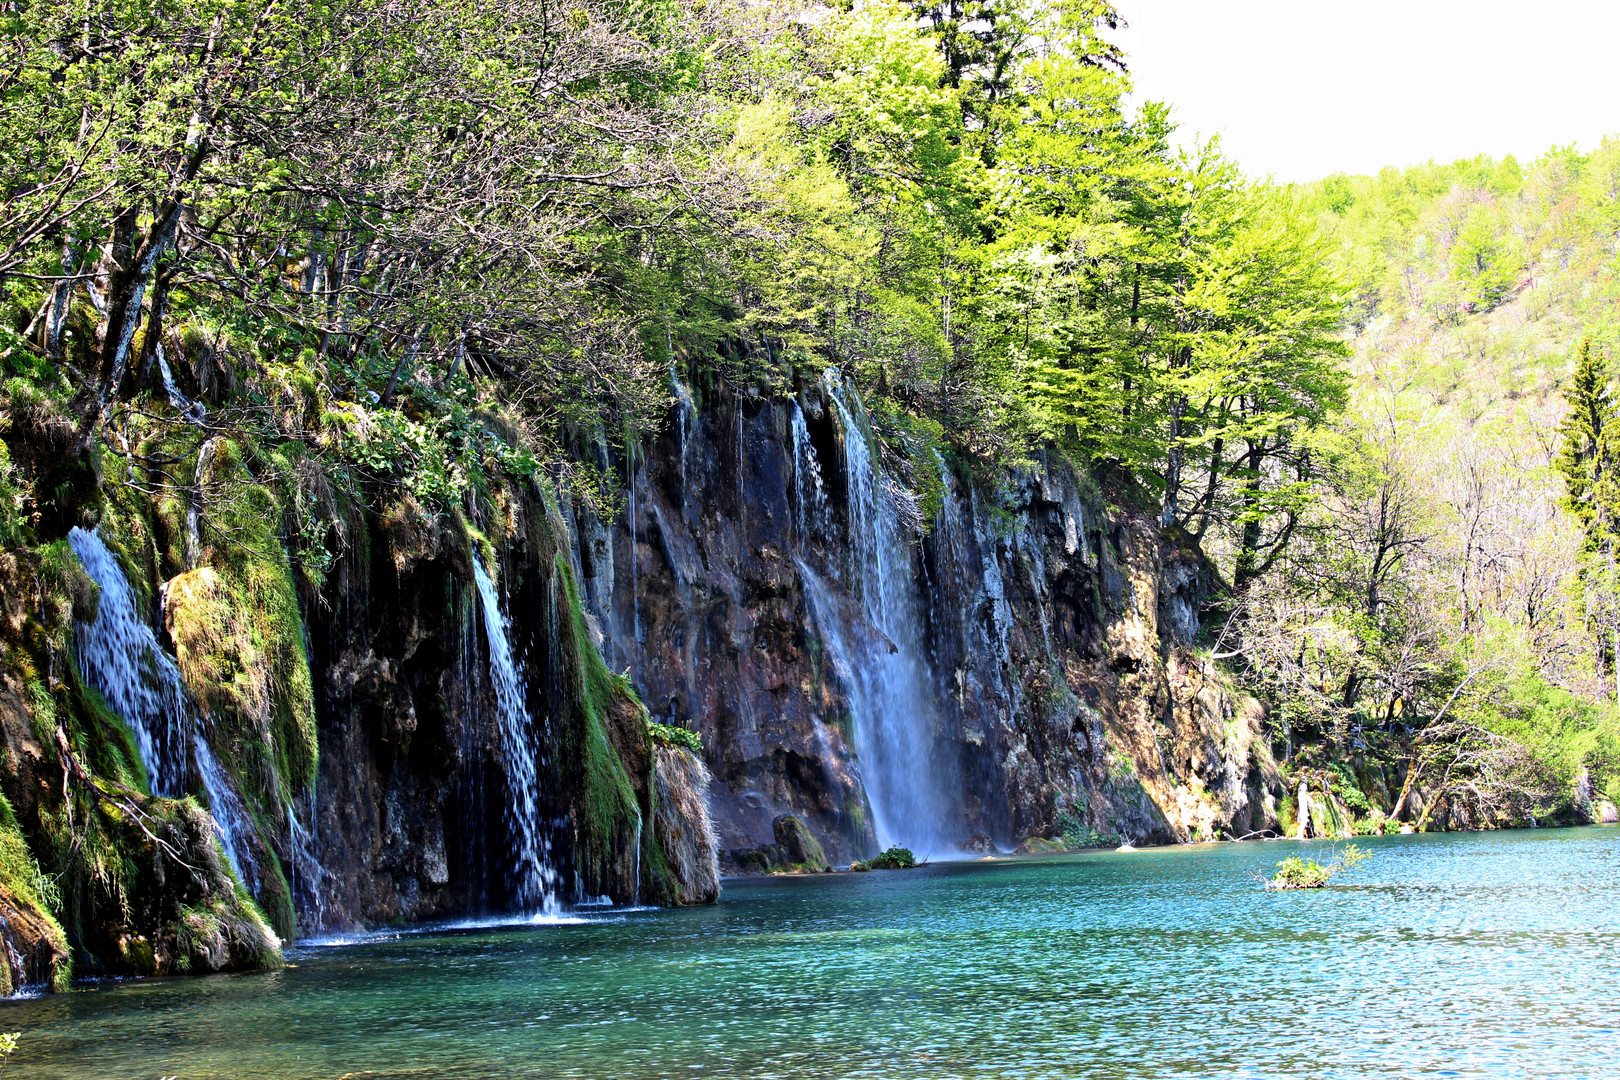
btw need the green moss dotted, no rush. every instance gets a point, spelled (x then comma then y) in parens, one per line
(608, 809)
(106, 741)
(658, 883)
(1040, 845)
(22, 881)
(129, 529)
(240, 636)
(275, 900)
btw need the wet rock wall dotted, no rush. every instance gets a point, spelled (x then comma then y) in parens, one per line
(1066, 697)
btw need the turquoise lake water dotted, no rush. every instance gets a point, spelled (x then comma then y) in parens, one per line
(1446, 955)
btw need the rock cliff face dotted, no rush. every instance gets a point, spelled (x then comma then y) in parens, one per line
(261, 747)
(1051, 675)
(875, 648)
(419, 785)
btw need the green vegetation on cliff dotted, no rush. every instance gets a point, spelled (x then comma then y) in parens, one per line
(277, 284)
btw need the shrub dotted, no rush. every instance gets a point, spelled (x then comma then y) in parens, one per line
(1297, 873)
(669, 735)
(1345, 786)
(895, 858)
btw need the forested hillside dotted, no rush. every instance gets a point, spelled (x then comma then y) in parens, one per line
(319, 314)
(1458, 571)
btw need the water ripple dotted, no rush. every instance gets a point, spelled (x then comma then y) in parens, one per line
(1457, 956)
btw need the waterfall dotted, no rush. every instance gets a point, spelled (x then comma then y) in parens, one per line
(193, 411)
(470, 773)
(533, 879)
(121, 657)
(635, 602)
(686, 413)
(308, 875)
(194, 509)
(231, 818)
(809, 496)
(880, 651)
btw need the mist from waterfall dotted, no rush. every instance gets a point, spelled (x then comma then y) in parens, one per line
(120, 656)
(532, 878)
(878, 646)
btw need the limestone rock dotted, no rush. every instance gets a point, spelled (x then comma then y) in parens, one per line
(684, 827)
(799, 846)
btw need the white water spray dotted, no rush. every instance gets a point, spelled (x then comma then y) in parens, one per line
(308, 875)
(809, 495)
(122, 658)
(193, 411)
(533, 879)
(880, 651)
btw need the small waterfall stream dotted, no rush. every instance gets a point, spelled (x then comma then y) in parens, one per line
(120, 655)
(687, 416)
(533, 879)
(809, 494)
(880, 651)
(231, 818)
(307, 877)
(194, 511)
(194, 411)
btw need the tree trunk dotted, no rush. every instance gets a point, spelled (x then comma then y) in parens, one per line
(1208, 501)
(126, 289)
(61, 300)
(1172, 466)
(405, 359)
(1406, 788)
(1248, 559)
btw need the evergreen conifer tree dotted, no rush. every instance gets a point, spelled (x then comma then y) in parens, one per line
(1589, 460)
(1586, 457)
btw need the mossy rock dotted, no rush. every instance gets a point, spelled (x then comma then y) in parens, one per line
(683, 833)
(798, 844)
(35, 947)
(1040, 845)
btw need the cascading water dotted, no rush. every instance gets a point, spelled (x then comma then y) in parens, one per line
(686, 415)
(231, 818)
(205, 455)
(532, 877)
(809, 495)
(635, 599)
(883, 660)
(194, 411)
(121, 657)
(470, 797)
(308, 877)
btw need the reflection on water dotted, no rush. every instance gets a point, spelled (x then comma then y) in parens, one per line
(1463, 955)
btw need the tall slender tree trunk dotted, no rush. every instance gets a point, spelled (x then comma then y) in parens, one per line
(1173, 456)
(1248, 559)
(61, 298)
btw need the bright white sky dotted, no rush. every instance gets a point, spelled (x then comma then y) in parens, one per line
(1300, 89)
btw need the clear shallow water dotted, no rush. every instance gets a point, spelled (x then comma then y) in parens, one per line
(1460, 955)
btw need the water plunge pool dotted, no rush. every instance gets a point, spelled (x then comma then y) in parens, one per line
(1465, 955)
